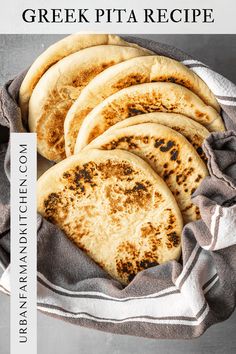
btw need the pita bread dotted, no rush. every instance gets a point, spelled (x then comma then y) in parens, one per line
(194, 132)
(59, 87)
(146, 98)
(114, 207)
(168, 153)
(132, 72)
(56, 52)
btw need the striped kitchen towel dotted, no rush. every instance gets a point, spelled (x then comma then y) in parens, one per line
(173, 300)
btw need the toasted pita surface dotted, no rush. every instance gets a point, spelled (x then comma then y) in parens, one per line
(146, 98)
(114, 207)
(194, 132)
(168, 153)
(61, 85)
(56, 52)
(132, 72)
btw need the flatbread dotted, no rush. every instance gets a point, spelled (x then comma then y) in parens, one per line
(168, 153)
(61, 85)
(132, 72)
(146, 98)
(114, 207)
(194, 132)
(56, 52)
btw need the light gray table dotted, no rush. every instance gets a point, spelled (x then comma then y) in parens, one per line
(58, 337)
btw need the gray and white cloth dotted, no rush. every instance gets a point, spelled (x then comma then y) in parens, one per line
(173, 300)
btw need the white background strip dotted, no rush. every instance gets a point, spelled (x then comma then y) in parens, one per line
(23, 331)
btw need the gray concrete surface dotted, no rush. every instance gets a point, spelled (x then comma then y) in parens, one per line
(58, 337)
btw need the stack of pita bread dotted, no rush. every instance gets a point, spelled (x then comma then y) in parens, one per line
(125, 128)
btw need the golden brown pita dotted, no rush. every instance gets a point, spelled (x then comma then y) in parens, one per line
(168, 153)
(194, 132)
(114, 207)
(56, 52)
(131, 72)
(61, 85)
(146, 98)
